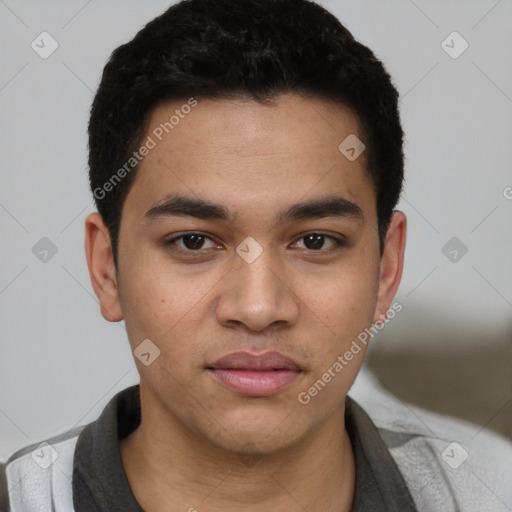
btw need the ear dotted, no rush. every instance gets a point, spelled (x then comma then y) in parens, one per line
(102, 272)
(391, 265)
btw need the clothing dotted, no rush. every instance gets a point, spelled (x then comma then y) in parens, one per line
(400, 464)
(98, 462)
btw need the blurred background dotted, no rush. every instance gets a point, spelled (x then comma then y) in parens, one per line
(448, 350)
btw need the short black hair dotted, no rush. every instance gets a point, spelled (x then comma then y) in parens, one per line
(227, 49)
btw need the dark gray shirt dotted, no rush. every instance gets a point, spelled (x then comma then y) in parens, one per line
(100, 483)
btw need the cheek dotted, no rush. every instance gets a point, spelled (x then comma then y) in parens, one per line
(160, 309)
(343, 302)
(165, 303)
(341, 313)
(153, 298)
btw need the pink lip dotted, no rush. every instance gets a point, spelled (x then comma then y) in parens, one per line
(255, 375)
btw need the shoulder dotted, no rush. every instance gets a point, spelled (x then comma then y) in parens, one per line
(38, 477)
(448, 464)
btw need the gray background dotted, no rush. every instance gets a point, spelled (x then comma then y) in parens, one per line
(450, 347)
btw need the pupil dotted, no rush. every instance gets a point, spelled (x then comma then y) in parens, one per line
(314, 241)
(193, 241)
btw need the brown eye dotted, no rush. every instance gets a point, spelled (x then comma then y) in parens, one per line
(193, 241)
(314, 241)
(318, 241)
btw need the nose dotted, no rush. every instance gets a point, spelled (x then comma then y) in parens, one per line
(257, 296)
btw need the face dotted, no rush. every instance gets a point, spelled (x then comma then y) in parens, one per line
(248, 231)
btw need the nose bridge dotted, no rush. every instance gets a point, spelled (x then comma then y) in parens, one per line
(257, 294)
(258, 280)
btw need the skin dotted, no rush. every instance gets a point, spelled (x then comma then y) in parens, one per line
(201, 444)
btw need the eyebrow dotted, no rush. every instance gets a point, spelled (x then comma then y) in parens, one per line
(182, 206)
(333, 206)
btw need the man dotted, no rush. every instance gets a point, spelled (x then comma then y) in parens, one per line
(246, 159)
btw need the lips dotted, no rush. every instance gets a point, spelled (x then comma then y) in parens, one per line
(262, 362)
(255, 374)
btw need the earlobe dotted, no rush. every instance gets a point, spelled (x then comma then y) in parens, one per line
(391, 265)
(101, 267)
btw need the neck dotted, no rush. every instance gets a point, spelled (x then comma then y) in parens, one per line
(173, 465)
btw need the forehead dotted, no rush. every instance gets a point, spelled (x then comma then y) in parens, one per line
(243, 153)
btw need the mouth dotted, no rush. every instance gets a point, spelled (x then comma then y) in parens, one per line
(255, 375)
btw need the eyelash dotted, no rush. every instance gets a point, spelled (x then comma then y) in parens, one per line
(339, 243)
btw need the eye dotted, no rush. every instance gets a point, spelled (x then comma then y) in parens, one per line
(191, 242)
(317, 241)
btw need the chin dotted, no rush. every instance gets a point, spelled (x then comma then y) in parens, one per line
(257, 434)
